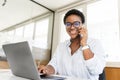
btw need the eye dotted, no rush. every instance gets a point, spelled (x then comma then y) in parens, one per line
(76, 24)
(68, 24)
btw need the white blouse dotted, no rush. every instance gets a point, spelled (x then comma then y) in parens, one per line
(75, 65)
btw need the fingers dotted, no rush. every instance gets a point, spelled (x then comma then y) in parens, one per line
(43, 69)
(84, 35)
(82, 31)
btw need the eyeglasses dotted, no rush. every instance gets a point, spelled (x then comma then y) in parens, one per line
(75, 24)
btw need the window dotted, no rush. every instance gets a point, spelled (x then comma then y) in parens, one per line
(102, 23)
(18, 34)
(10, 36)
(41, 33)
(11, 33)
(36, 33)
(28, 31)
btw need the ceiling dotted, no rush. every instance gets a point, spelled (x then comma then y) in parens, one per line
(56, 4)
(17, 11)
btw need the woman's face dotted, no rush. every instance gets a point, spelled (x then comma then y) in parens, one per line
(73, 22)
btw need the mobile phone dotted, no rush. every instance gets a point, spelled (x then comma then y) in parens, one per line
(81, 35)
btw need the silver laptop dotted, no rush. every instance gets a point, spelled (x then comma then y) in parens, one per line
(22, 63)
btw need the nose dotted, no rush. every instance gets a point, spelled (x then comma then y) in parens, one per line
(72, 27)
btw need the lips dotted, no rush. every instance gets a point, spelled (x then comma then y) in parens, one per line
(73, 32)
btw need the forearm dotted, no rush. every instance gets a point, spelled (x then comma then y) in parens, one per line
(88, 54)
(94, 57)
(96, 64)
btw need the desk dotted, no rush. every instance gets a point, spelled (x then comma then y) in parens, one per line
(6, 74)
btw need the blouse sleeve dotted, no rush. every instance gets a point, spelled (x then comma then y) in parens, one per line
(96, 64)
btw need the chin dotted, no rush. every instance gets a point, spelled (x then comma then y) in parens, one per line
(74, 36)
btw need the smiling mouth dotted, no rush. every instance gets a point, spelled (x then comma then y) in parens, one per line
(73, 31)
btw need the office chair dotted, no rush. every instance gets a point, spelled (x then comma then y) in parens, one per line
(102, 76)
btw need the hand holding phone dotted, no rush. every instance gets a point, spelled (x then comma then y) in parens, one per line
(83, 35)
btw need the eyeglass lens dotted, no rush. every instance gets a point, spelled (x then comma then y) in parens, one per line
(75, 24)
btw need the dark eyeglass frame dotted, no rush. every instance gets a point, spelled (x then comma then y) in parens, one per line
(68, 24)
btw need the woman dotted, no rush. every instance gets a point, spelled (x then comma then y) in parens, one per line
(80, 56)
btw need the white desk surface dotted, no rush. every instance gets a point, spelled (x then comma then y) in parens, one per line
(6, 74)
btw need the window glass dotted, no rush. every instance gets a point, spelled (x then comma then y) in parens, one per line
(63, 34)
(10, 36)
(41, 33)
(19, 32)
(102, 23)
(28, 31)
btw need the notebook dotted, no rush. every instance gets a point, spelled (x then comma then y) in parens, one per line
(21, 61)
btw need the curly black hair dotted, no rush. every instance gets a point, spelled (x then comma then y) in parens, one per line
(74, 12)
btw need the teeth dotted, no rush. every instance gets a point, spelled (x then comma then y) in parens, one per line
(73, 32)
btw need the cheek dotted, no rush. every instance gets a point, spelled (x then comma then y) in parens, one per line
(67, 30)
(76, 31)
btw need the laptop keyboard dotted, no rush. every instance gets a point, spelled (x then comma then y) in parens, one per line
(44, 77)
